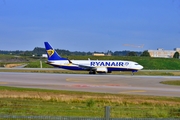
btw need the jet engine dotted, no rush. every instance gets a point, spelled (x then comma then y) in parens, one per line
(101, 70)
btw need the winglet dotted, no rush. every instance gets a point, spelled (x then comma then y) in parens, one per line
(69, 60)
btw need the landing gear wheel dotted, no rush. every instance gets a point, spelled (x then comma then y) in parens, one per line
(132, 73)
(92, 72)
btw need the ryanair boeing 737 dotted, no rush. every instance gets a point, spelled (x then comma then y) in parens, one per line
(93, 66)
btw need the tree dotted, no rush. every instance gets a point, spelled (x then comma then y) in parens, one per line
(145, 53)
(132, 54)
(176, 55)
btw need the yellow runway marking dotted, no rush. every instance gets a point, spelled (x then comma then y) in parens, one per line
(133, 91)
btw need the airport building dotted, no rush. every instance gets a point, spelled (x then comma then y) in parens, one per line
(102, 54)
(163, 53)
(44, 55)
(98, 54)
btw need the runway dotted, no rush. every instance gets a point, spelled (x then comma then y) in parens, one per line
(117, 84)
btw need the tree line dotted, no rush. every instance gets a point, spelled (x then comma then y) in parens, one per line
(37, 51)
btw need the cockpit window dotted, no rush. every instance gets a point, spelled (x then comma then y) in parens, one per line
(136, 64)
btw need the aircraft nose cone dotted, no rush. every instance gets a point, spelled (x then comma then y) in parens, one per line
(141, 67)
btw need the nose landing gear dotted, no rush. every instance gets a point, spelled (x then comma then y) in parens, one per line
(133, 72)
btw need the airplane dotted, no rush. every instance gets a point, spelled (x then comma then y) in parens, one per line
(93, 66)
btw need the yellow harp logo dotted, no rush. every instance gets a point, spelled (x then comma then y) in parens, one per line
(50, 52)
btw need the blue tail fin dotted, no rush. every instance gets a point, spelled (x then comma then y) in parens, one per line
(51, 53)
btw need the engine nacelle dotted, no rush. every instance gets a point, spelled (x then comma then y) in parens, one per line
(101, 70)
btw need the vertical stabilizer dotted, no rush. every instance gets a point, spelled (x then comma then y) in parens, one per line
(51, 53)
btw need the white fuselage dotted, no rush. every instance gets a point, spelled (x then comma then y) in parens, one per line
(99, 65)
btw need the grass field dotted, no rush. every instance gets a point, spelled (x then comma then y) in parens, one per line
(22, 101)
(148, 62)
(175, 82)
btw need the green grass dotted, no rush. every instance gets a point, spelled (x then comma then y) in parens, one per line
(36, 64)
(174, 82)
(36, 102)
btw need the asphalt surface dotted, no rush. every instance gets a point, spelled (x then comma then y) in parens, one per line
(118, 84)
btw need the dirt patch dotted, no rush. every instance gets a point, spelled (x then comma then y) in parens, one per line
(12, 65)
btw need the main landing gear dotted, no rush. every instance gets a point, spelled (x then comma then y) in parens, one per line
(92, 72)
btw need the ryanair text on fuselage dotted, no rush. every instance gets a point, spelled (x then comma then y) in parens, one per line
(109, 63)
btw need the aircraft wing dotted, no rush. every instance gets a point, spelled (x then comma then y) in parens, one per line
(86, 67)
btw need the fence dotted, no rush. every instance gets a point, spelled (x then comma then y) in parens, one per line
(107, 116)
(11, 117)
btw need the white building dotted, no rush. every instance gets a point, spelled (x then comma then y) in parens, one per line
(44, 55)
(163, 53)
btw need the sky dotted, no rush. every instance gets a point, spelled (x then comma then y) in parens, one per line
(90, 25)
